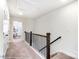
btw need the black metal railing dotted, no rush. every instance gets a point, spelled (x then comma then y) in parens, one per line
(40, 42)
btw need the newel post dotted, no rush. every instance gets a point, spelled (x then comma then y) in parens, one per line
(30, 38)
(48, 46)
(25, 35)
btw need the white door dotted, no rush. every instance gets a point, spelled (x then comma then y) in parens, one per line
(5, 34)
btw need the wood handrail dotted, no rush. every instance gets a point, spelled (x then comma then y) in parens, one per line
(36, 34)
(39, 35)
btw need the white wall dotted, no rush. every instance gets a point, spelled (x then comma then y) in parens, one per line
(62, 22)
(3, 7)
(1, 35)
(28, 25)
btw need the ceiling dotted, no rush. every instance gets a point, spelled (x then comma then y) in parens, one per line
(34, 8)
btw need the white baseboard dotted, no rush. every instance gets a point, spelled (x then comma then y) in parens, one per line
(73, 54)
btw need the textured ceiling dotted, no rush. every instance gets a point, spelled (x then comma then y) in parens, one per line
(34, 8)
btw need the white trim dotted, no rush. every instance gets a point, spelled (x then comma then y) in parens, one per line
(36, 52)
(71, 54)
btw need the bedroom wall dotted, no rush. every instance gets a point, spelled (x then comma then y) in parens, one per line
(61, 22)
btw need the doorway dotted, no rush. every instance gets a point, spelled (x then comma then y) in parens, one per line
(17, 30)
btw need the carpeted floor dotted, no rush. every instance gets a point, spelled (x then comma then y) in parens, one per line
(21, 50)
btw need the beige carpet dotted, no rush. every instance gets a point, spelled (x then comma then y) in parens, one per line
(60, 55)
(21, 50)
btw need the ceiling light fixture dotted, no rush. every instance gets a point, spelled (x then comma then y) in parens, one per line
(20, 13)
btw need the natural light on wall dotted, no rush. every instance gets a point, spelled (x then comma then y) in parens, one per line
(4, 14)
(2, 4)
